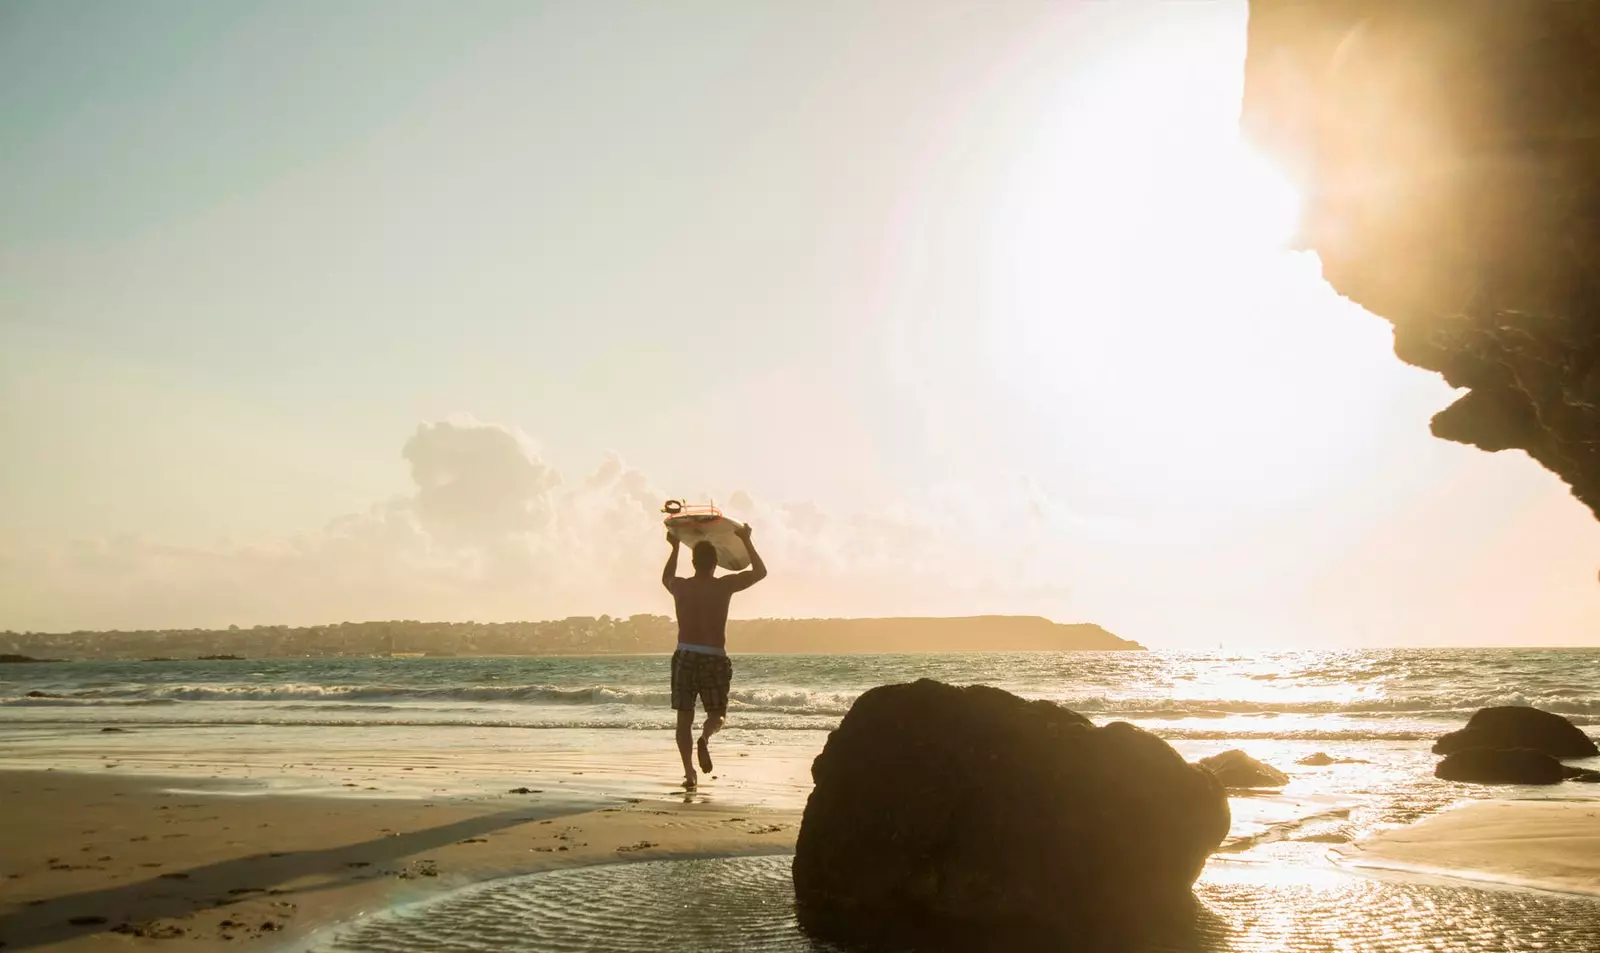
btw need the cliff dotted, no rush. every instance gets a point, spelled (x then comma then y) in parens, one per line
(1449, 156)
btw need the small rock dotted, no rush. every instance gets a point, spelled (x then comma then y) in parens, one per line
(1505, 766)
(89, 921)
(1322, 758)
(1235, 769)
(1518, 726)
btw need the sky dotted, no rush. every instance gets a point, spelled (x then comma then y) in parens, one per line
(395, 309)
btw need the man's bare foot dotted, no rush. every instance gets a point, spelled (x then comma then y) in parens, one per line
(705, 755)
(690, 782)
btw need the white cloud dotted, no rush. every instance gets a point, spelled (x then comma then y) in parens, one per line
(491, 531)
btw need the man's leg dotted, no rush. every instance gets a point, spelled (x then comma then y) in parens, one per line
(715, 697)
(683, 692)
(686, 744)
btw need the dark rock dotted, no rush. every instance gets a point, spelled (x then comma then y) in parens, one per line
(951, 812)
(1505, 766)
(10, 659)
(1322, 758)
(1235, 769)
(1446, 154)
(1515, 726)
(119, 731)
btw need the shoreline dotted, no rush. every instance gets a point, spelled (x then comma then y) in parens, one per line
(162, 861)
(1550, 846)
(96, 861)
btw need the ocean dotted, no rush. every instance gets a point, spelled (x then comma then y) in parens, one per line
(596, 731)
(601, 723)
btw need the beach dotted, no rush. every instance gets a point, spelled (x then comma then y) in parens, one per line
(371, 808)
(95, 862)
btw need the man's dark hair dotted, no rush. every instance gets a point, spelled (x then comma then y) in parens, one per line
(705, 556)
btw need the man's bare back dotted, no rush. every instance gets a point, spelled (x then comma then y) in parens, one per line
(702, 606)
(700, 666)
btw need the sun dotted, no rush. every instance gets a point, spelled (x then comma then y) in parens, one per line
(1144, 306)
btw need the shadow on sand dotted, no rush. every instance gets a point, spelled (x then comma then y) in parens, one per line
(183, 893)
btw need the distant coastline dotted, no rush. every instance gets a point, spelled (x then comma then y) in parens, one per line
(578, 635)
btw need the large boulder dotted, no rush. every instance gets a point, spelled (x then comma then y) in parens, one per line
(969, 812)
(1235, 769)
(1515, 726)
(1508, 766)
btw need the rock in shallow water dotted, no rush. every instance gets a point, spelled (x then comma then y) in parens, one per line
(946, 811)
(1235, 769)
(1323, 759)
(1516, 726)
(1508, 766)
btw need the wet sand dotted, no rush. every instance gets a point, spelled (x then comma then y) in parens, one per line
(101, 861)
(93, 862)
(1546, 845)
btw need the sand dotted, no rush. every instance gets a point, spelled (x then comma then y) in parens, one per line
(1547, 845)
(103, 861)
(93, 862)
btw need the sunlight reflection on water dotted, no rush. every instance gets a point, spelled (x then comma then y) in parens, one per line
(746, 903)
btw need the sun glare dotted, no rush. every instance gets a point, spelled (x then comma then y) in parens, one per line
(1144, 303)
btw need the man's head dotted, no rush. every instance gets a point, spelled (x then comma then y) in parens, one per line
(705, 557)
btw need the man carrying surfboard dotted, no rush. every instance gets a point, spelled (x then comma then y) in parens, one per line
(700, 666)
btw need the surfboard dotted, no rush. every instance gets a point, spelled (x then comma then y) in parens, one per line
(696, 523)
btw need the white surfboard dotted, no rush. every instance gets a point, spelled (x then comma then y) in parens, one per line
(696, 523)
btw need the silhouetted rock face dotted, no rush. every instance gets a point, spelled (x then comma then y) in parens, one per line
(1514, 726)
(1508, 766)
(1449, 156)
(969, 811)
(1235, 769)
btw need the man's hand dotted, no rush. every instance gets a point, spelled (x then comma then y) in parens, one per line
(757, 571)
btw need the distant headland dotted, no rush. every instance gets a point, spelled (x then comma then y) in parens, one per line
(578, 635)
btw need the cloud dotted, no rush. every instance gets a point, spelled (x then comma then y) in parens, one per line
(490, 531)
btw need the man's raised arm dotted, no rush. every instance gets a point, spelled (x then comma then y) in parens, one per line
(670, 573)
(757, 570)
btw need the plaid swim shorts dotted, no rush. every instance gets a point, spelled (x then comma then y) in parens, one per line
(706, 676)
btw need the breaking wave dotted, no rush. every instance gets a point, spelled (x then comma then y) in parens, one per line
(780, 700)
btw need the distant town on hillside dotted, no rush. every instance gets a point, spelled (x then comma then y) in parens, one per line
(579, 635)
